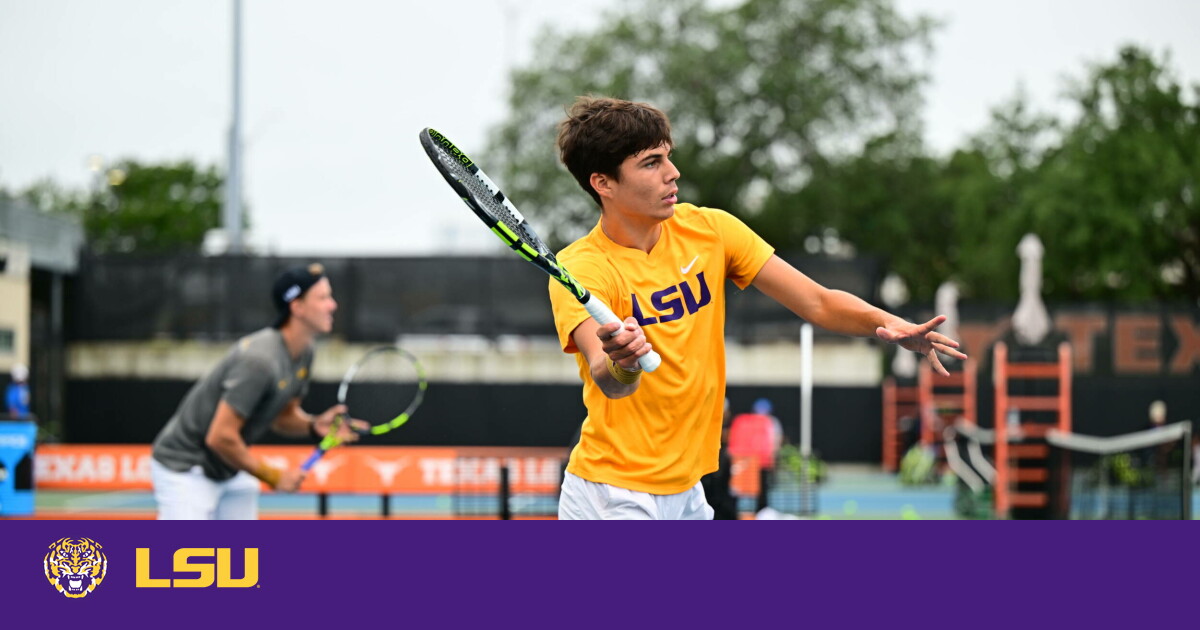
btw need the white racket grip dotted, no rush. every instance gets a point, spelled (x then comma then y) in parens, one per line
(604, 315)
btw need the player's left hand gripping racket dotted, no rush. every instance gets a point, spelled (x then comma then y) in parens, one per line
(374, 389)
(484, 197)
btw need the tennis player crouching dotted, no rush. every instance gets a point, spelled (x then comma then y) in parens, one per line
(201, 466)
(648, 440)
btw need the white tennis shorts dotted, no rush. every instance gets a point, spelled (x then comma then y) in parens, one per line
(587, 500)
(190, 495)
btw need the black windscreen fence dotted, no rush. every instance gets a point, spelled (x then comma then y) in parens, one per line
(221, 298)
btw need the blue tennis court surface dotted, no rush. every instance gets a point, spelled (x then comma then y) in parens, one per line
(851, 492)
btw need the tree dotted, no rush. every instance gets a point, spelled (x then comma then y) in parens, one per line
(137, 207)
(883, 201)
(930, 219)
(1117, 202)
(1112, 194)
(982, 188)
(761, 95)
(800, 117)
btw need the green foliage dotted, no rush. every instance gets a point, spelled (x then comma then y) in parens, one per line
(760, 95)
(790, 460)
(1112, 195)
(884, 201)
(801, 118)
(138, 207)
(971, 505)
(918, 467)
(1117, 198)
(980, 189)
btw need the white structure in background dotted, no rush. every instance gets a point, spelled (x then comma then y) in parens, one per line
(1031, 321)
(231, 209)
(945, 302)
(806, 387)
(217, 243)
(893, 291)
(15, 303)
(34, 240)
(904, 364)
(894, 294)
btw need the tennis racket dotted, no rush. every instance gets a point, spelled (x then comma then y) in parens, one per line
(374, 389)
(486, 200)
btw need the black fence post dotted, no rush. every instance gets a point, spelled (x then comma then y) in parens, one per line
(764, 486)
(505, 509)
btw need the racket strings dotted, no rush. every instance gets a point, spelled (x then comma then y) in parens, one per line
(495, 207)
(479, 189)
(531, 237)
(382, 388)
(502, 212)
(491, 200)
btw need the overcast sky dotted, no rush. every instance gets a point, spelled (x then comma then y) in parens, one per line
(335, 93)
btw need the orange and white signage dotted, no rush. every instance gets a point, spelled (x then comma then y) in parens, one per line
(355, 469)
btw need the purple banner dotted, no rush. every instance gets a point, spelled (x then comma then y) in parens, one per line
(811, 574)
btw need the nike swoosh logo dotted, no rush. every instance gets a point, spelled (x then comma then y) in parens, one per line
(689, 265)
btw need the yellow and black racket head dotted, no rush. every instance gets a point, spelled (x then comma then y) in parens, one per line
(484, 197)
(488, 203)
(383, 388)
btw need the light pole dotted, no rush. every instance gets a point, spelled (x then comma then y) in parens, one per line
(231, 211)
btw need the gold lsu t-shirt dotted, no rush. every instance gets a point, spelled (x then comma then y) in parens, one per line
(667, 435)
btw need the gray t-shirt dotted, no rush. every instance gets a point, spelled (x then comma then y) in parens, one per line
(257, 378)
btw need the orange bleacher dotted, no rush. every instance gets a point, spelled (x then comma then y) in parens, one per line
(899, 401)
(1021, 470)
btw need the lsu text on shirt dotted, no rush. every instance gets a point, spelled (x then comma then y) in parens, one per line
(666, 435)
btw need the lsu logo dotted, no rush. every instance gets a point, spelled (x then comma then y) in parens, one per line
(673, 302)
(206, 572)
(75, 566)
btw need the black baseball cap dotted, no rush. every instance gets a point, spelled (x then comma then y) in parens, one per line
(292, 284)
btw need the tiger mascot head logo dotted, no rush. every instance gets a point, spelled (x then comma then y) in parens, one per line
(75, 566)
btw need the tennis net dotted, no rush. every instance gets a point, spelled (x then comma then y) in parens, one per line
(506, 488)
(1142, 475)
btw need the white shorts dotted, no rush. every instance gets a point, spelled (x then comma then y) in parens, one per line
(587, 500)
(191, 496)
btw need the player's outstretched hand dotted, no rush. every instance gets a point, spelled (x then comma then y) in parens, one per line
(922, 339)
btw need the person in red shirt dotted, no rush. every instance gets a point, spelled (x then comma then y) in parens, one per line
(757, 434)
